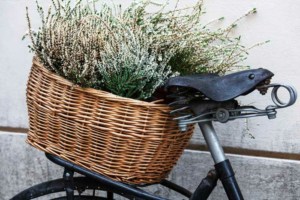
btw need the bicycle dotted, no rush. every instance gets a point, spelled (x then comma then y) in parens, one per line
(195, 99)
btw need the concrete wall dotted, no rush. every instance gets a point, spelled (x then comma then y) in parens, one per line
(278, 21)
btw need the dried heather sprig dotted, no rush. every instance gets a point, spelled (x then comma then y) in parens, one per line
(131, 52)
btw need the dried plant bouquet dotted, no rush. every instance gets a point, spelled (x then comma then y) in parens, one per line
(130, 52)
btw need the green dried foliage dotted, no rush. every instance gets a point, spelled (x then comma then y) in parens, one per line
(132, 52)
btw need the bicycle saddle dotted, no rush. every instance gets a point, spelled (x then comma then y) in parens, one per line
(222, 88)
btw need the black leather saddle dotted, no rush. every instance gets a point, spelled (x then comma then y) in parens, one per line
(222, 88)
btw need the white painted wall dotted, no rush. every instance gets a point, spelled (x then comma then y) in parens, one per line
(276, 20)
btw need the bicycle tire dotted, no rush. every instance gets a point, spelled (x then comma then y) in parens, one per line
(55, 186)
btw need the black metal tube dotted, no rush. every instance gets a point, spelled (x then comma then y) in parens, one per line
(69, 183)
(226, 175)
(206, 186)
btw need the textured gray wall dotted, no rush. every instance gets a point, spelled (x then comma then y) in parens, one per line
(260, 178)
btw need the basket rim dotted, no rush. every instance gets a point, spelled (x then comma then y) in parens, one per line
(100, 93)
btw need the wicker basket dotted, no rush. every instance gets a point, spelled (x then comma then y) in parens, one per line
(127, 140)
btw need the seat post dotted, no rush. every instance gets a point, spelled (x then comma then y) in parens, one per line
(222, 165)
(212, 142)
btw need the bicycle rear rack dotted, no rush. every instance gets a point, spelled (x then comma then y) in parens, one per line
(117, 187)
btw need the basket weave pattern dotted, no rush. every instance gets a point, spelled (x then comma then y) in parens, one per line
(127, 140)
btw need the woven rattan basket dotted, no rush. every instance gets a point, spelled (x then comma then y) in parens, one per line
(127, 140)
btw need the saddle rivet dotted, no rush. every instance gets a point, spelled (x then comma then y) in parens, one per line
(251, 76)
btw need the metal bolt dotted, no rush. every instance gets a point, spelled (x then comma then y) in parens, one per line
(222, 115)
(183, 128)
(251, 76)
(271, 116)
